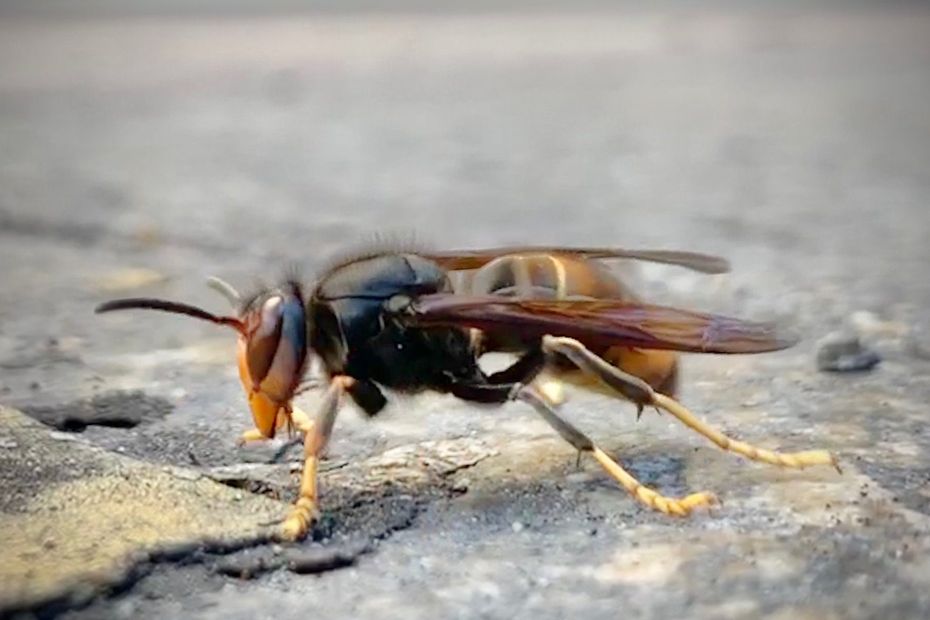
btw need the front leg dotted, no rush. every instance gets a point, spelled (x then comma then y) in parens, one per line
(305, 509)
(293, 417)
(251, 436)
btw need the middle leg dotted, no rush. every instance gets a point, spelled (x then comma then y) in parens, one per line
(680, 507)
(501, 393)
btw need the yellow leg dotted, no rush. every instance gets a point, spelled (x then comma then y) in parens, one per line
(301, 420)
(305, 510)
(798, 460)
(668, 505)
(295, 416)
(642, 394)
(250, 436)
(553, 390)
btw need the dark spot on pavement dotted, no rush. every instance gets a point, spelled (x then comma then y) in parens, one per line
(658, 472)
(118, 409)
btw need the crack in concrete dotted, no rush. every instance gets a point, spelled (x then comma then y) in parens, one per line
(368, 499)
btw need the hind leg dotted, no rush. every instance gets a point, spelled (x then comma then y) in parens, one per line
(643, 395)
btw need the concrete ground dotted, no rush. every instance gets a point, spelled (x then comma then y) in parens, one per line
(145, 150)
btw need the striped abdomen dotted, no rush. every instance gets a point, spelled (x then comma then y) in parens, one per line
(548, 276)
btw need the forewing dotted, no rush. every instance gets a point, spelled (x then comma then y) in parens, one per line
(474, 259)
(603, 323)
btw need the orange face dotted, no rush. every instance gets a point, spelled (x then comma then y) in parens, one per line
(272, 354)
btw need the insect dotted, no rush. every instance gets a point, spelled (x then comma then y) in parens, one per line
(389, 319)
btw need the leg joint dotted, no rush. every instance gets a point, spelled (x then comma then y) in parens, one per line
(568, 432)
(631, 387)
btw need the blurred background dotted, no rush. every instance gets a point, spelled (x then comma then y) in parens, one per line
(146, 145)
(190, 138)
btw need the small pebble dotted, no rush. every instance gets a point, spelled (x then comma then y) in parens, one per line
(842, 351)
(757, 399)
(183, 473)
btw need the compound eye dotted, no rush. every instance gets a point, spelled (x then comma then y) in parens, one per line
(273, 355)
(263, 338)
(285, 324)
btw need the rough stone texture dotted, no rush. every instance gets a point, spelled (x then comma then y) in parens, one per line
(143, 153)
(77, 520)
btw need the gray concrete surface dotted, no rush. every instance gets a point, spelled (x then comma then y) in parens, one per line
(143, 153)
(76, 518)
